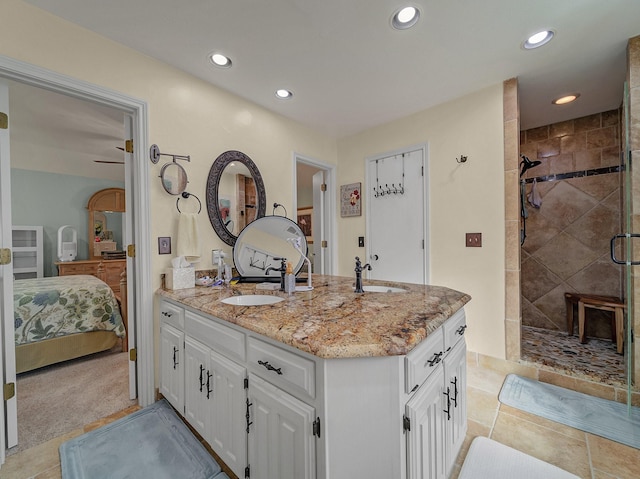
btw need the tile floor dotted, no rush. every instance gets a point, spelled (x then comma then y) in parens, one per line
(597, 359)
(583, 454)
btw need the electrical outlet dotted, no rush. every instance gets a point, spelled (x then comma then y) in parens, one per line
(474, 240)
(361, 241)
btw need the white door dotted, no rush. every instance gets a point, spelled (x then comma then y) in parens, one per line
(396, 217)
(228, 430)
(9, 429)
(318, 232)
(197, 385)
(130, 184)
(281, 443)
(426, 437)
(455, 373)
(172, 366)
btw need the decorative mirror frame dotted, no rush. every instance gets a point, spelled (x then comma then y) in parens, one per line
(213, 180)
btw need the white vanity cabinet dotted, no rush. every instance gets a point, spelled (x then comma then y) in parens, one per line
(436, 415)
(271, 411)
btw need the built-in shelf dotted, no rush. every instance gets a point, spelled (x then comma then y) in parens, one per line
(27, 252)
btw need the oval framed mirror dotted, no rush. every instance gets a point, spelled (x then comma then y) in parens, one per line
(235, 194)
(173, 178)
(260, 245)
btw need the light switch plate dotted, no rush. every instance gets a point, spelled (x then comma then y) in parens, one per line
(474, 240)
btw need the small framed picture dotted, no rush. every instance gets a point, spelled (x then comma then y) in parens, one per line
(164, 245)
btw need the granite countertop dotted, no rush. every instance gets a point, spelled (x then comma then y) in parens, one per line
(332, 321)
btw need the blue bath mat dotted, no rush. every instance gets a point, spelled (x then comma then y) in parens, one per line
(608, 419)
(151, 442)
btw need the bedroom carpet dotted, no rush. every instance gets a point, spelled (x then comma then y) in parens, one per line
(608, 419)
(57, 399)
(151, 442)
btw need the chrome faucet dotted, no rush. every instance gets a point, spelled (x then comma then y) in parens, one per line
(358, 271)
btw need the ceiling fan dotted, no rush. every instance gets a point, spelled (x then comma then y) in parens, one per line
(111, 162)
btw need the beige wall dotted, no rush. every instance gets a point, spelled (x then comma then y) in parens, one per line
(188, 116)
(463, 198)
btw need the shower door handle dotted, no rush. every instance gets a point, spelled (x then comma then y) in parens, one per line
(613, 249)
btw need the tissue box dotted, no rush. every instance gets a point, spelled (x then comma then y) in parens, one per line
(180, 278)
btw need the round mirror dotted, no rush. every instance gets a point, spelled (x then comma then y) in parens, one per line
(264, 240)
(174, 178)
(235, 194)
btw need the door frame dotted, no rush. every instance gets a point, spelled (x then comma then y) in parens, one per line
(138, 173)
(424, 147)
(330, 219)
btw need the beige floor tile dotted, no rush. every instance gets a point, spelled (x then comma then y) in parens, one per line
(33, 461)
(53, 473)
(555, 426)
(485, 379)
(506, 367)
(546, 444)
(603, 475)
(482, 406)
(474, 429)
(614, 458)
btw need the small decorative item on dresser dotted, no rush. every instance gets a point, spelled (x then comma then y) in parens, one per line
(350, 200)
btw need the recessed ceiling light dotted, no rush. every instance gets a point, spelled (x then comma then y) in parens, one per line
(220, 60)
(405, 18)
(538, 39)
(563, 100)
(284, 94)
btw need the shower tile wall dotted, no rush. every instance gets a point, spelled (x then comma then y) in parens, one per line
(567, 243)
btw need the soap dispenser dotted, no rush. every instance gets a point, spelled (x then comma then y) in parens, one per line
(289, 280)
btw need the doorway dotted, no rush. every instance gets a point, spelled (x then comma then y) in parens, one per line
(63, 150)
(139, 284)
(314, 193)
(571, 217)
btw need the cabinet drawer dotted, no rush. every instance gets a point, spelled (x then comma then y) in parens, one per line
(454, 330)
(172, 314)
(217, 336)
(283, 368)
(423, 360)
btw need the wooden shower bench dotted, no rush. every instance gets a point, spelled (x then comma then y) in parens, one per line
(603, 303)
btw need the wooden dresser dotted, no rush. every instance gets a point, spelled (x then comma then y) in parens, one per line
(113, 268)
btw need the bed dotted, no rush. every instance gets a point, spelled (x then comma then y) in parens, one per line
(62, 318)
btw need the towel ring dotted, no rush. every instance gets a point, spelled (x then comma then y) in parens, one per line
(186, 194)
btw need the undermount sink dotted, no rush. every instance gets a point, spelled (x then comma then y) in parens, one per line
(382, 289)
(252, 300)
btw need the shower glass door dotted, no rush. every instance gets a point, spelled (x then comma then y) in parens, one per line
(631, 245)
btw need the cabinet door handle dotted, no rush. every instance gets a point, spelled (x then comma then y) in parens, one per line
(461, 329)
(455, 391)
(448, 410)
(201, 378)
(209, 390)
(168, 315)
(248, 415)
(270, 367)
(175, 357)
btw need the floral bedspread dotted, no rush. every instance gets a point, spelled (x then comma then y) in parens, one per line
(46, 308)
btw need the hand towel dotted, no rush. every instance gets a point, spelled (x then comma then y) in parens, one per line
(534, 195)
(189, 237)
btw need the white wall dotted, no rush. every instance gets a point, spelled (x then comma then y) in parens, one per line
(463, 198)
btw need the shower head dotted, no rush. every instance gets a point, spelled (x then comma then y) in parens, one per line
(526, 164)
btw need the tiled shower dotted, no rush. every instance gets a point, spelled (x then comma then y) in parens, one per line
(566, 248)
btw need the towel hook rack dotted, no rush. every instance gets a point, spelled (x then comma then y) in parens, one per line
(186, 194)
